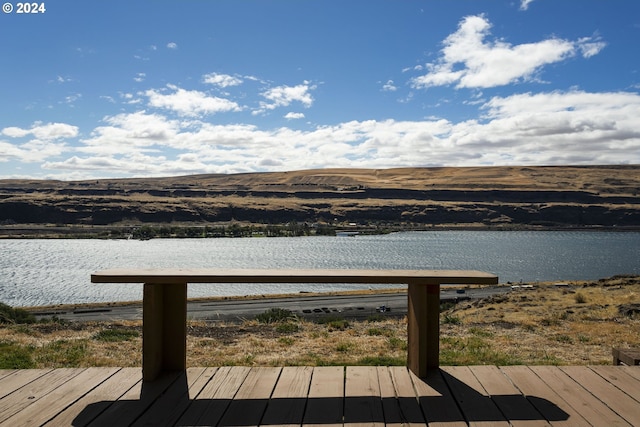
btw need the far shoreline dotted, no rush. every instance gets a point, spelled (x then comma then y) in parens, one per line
(259, 230)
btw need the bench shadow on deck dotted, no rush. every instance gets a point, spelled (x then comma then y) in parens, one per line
(440, 396)
(352, 395)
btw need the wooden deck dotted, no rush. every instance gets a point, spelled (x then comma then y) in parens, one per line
(244, 396)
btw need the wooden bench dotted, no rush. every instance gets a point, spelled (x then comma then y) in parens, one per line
(626, 356)
(164, 330)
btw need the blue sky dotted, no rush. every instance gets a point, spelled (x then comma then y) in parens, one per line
(101, 89)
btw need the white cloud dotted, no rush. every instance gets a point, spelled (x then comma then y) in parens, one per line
(190, 102)
(292, 116)
(524, 4)
(282, 96)
(560, 128)
(9, 151)
(133, 132)
(470, 61)
(571, 127)
(221, 80)
(61, 79)
(71, 99)
(15, 132)
(389, 86)
(130, 99)
(39, 151)
(140, 77)
(134, 164)
(45, 132)
(33, 151)
(172, 45)
(590, 47)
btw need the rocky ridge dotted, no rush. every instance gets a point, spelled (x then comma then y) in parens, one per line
(496, 197)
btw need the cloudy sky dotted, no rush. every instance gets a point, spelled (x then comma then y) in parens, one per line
(112, 88)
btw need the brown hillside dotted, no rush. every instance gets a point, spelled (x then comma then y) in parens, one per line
(568, 196)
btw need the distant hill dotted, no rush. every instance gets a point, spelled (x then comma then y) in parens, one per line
(497, 197)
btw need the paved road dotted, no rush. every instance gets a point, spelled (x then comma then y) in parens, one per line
(359, 306)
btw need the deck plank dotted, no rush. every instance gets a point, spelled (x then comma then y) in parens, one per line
(362, 406)
(621, 379)
(92, 404)
(5, 372)
(591, 408)
(134, 402)
(326, 397)
(54, 402)
(545, 399)
(169, 407)
(34, 391)
(513, 405)
(472, 398)
(634, 371)
(620, 402)
(18, 379)
(288, 401)
(399, 401)
(438, 404)
(209, 405)
(249, 404)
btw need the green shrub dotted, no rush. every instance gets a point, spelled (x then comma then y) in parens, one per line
(338, 324)
(564, 338)
(275, 315)
(380, 332)
(14, 356)
(287, 328)
(553, 320)
(473, 350)
(396, 343)
(55, 319)
(580, 298)
(12, 315)
(480, 332)
(23, 329)
(446, 305)
(287, 341)
(451, 319)
(114, 335)
(334, 323)
(382, 361)
(345, 346)
(62, 354)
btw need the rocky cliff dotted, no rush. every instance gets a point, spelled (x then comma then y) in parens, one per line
(587, 196)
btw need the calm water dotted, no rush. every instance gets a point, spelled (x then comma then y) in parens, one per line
(41, 272)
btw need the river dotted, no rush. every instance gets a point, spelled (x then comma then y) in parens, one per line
(37, 272)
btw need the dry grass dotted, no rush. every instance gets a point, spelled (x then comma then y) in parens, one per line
(311, 344)
(576, 325)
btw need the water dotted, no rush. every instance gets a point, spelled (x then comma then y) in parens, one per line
(42, 272)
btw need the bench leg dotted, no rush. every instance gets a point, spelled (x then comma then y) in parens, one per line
(164, 329)
(423, 329)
